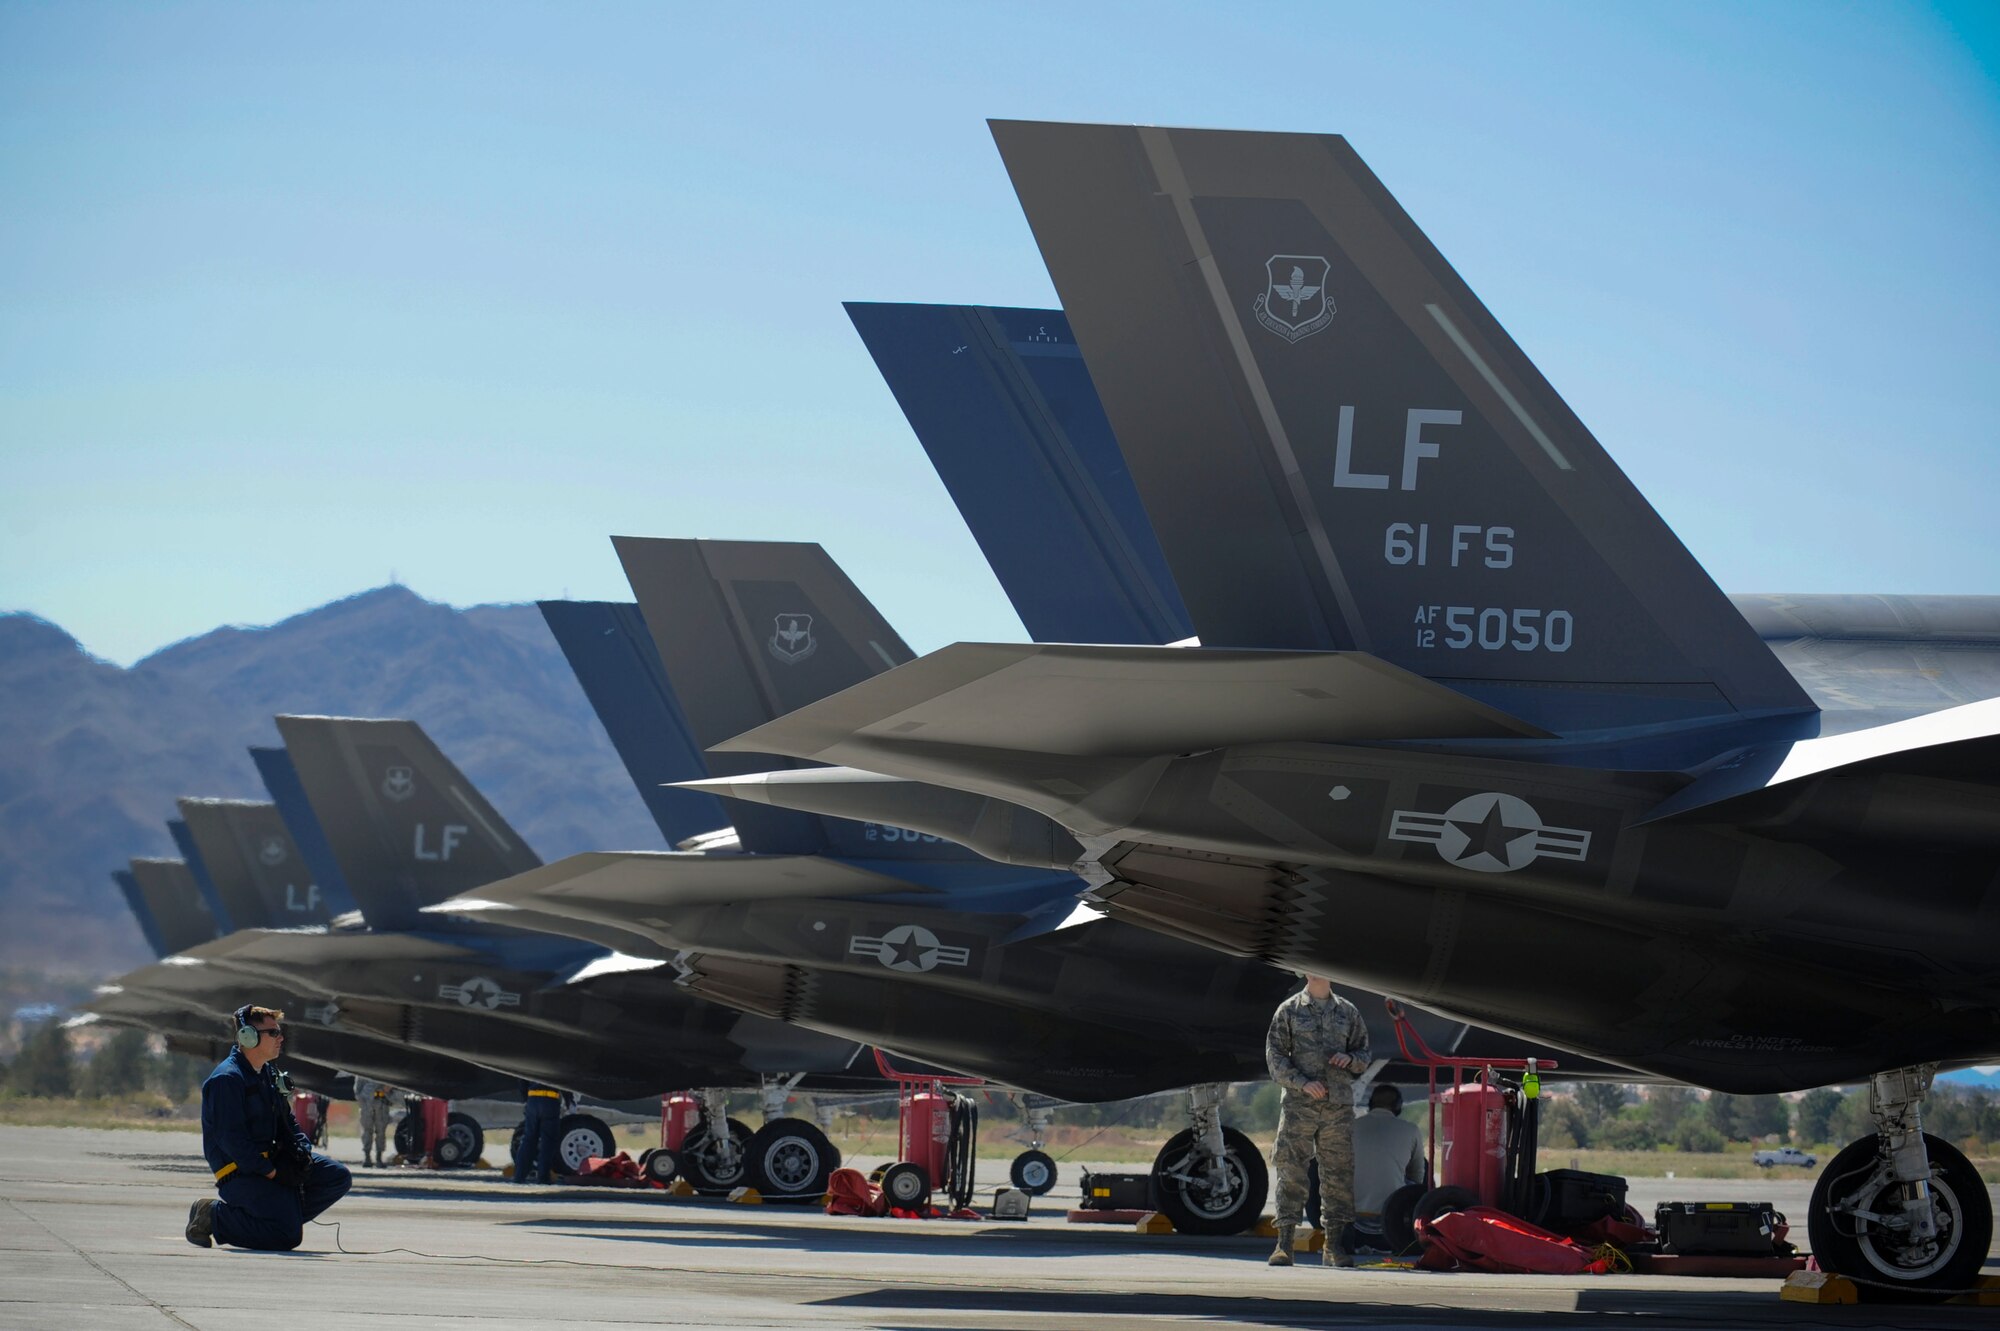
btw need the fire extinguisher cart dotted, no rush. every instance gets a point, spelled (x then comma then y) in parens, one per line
(937, 1140)
(1486, 1128)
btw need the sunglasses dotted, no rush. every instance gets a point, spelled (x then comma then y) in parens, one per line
(263, 1031)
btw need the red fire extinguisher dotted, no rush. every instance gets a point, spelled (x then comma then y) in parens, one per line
(679, 1113)
(1473, 1132)
(926, 1134)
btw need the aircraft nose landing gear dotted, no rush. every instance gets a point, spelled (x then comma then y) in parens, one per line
(1033, 1170)
(1901, 1213)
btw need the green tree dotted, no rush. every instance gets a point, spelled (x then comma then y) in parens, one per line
(1852, 1120)
(45, 1067)
(178, 1076)
(1626, 1132)
(1261, 1114)
(1724, 1113)
(1600, 1100)
(1664, 1109)
(1698, 1136)
(1817, 1108)
(119, 1067)
(1563, 1125)
(1766, 1115)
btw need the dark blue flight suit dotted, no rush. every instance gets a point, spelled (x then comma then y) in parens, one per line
(535, 1152)
(244, 1122)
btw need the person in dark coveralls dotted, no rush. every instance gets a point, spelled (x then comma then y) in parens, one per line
(1316, 1049)
(270, 1178)
(535, 1150)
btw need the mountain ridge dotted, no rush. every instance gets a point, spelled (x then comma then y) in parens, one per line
(93, 754)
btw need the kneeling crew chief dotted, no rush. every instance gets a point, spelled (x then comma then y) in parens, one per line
(270, 1178)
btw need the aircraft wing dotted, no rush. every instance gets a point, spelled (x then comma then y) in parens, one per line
(1046, 725)
(601, 895)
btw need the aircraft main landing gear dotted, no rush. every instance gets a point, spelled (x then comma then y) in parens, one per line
(1209, 1179)
(1901, 1213)
(789, 1159)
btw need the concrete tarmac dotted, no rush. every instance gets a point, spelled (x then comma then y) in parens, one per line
(91, 1221)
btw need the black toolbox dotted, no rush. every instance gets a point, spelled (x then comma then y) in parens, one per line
(1116, 1192)
(1567, 1199)
(1722, 1229)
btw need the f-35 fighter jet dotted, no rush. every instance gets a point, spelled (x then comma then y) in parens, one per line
(1466, 722)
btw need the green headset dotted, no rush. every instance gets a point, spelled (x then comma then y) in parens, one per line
(247, 1035)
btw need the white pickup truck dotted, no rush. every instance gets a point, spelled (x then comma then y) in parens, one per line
(1783, 1155)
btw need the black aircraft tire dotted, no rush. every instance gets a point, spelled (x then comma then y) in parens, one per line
(406, 1136)
(578, 1138)
(1033, 1172)
(1965, 1226)
(1437, 1201)
(906, 1185)
(700, 1171)
(1189, 1208)
(791, 1160)
(660, 1165)
(1399, 1215)
(464, 1142)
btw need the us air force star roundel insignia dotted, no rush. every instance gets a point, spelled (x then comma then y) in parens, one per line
(399, 783)
(1490, 833)
(272, 852)
(792, 638)
(479, 992)
(909, 947)
(1295, 302)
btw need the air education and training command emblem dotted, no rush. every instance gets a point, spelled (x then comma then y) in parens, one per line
(1295, 303)
(792, 638)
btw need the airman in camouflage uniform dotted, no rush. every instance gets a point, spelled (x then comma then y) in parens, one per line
(1317, 1047)
(371, 1099)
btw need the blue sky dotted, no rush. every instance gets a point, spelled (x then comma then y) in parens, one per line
(294, 297)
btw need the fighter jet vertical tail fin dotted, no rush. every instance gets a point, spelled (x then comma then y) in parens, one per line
(1003, 404)
(748, 631)
(1341, 449)
(407, 827)
(301, 824)
(204, 882)
(179, 915)
(608, 647)
(128, 887)
(254, 863)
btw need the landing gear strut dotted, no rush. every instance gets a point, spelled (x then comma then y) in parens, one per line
(1033, 1171)
(714, 1158)
(1902, 1213)
(1209, 1179)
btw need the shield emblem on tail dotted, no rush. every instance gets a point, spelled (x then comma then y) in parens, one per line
(1295, 302)
(792, 638)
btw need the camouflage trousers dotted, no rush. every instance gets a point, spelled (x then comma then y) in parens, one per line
(1311, 1130)
(374, 1129)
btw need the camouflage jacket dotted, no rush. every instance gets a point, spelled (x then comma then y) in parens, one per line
(1305, 1034)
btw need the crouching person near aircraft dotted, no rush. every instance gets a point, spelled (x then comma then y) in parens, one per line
(1388, 1154)
(270, 1178)
(1316, 1048)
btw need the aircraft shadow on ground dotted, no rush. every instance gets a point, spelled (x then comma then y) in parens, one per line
(895, 1237)
(1334, 1306)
